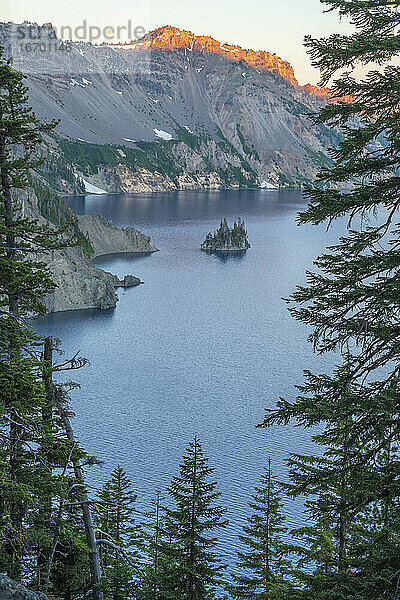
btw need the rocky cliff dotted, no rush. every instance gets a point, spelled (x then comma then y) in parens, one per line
(172, 111)
(105, 238)
(325, 94)
(171, 38)
(80, 284)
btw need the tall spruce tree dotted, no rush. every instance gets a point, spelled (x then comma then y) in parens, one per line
(194, 569)
(23, 282)
(354, 297)
(120, 537)
(352, 303)
(35, 451)
(264, 567)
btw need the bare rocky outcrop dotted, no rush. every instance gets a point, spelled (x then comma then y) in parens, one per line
(11, 590)
(79, 283)
(171, 38)
(106, 238)
(129, 281)
(142, 181)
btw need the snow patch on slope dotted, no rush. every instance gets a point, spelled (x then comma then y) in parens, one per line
(93, 189)
(265, 185)
(163, 134)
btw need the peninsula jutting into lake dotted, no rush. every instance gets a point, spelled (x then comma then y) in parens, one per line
(227, 238)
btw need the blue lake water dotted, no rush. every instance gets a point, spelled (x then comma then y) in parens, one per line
(202, 348)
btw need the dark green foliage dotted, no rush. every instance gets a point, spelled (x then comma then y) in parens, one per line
(157, 157)
(69, 570)
(194, 569)
(226, 238)
(88, 157)
(159, 580)
(319, 158)
(160, 158)
(264, 568)
(352, 488)
(247, 149)
(191, 140)
(35, 456)
(120, 537)
(350, 545)
(21, 394)
(234, 173)
(58, 173)
(56, 210)
(355, 294)
(153, 156)
(23, 280)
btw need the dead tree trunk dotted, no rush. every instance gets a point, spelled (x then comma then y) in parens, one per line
(94, 558)
(57, 396)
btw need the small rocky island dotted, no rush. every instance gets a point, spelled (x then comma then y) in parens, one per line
(227, 238)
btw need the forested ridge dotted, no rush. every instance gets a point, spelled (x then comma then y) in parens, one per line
(70, 541)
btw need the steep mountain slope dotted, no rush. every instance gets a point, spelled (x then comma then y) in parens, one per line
(171, 38)
(170, 111)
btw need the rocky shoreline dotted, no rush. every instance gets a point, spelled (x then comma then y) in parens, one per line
(80, 284)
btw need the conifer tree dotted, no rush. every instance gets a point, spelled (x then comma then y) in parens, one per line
(159, 580)
(120, 537)
(33, 440)
(352, 487)
(264, 564)
(354, 298)
(192, 524)
(353, 303)
(23, 282)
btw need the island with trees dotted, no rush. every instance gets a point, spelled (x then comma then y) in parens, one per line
(227, 238)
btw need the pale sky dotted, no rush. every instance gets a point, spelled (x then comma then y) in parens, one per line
(273, 25)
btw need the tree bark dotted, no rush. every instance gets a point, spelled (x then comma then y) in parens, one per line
(156, 541)
(94, 557)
